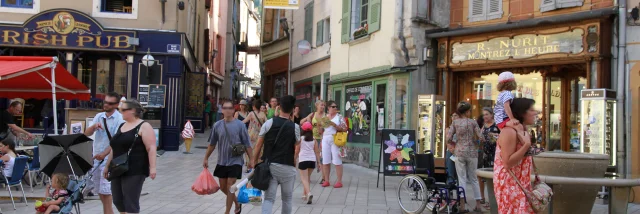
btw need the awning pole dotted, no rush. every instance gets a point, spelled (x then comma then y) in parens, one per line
(53, 94)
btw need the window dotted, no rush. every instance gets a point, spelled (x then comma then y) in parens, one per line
(359, 18)
(326, 35)
(322, 33)
(116, 9)
(191, 24)
(482, 10)
(102, 78)
(20, 6)
(116, 6)
(18, 3)
(422, 9)
(272, 29)
(549, 5)
(308, 22)
(120, 77)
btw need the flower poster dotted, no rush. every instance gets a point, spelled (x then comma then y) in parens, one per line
(398, 149)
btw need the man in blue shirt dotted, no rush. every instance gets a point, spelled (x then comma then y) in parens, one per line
(105, 125)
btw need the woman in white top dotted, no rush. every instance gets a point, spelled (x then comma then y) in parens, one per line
(331, 152)
(8, 148)
(307, 155)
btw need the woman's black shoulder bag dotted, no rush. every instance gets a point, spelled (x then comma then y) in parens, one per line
(262, 174)
(120, 165)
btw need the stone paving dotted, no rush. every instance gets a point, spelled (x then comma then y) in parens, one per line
(171, 192)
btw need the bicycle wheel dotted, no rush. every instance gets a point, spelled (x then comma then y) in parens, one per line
(412, 194)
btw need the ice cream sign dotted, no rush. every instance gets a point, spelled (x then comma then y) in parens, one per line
(65, 29)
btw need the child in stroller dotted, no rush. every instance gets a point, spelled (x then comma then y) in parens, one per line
(57, 197)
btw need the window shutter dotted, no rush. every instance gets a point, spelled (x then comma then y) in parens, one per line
(308, 23)
(569, 3)
(346, 21)
(548, 5)
(374, 16)
(477, 10)
(278, 17)
(319, 33)
(267, 36)
(495, 9)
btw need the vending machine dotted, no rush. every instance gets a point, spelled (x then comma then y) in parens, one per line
(431, 124)
(598, 115)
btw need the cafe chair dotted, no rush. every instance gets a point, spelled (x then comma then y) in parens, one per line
(16, 181)
(34, 168)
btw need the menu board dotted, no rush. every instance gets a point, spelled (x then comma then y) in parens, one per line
(143, 94)
(157, 94)
(398, 151)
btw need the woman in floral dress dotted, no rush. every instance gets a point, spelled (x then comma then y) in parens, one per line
(255, 119)
(513, 145)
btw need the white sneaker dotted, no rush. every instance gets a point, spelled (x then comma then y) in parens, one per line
(309, 199)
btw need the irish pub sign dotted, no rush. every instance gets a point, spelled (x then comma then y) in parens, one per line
(65, 29)
(519, 46)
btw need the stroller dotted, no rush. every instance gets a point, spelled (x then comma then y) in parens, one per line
(76, 190)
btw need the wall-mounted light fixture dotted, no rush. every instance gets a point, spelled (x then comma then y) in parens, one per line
(130, 59)
(69, 56)
(148, 61)
(427, 53)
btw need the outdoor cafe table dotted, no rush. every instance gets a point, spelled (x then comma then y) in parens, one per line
(24, 148)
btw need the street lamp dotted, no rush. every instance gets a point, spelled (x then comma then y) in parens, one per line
(148, 61)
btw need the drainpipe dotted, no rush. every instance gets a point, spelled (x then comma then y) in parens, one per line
(403, 41)
(163, 2)
(624, 143)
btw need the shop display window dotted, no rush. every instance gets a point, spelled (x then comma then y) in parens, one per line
(402, 104)
(102, 78)
(120, 78)
(358, 112)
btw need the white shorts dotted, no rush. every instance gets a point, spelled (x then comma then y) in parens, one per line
(330, 152)
(99, 184)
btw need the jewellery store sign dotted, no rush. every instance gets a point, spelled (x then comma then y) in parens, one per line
(519, 46)
(65, 29)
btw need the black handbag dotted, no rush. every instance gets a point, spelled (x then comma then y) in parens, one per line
(262, 173)
(120, 165)
(236, 149)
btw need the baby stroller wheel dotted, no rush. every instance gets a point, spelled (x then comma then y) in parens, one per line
(412, 194)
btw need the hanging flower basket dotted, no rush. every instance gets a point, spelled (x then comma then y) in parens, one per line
(361, 32)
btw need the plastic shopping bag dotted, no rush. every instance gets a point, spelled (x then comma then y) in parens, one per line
(251, 195)
(205, 184)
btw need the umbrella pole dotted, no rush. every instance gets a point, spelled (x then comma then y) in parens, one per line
(71, 166)
(53, 94)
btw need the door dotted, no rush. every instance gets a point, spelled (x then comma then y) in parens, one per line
(378, 114)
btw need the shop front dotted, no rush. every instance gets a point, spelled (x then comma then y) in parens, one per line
(276, 80)
(105, 60)
(308, 91)
(552, 65)
(369, 106)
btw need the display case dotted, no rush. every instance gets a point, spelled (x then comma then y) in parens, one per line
(598, 135)
(431, 124)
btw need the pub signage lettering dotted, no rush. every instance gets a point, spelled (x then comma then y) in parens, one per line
(65, 29)
(519, 47)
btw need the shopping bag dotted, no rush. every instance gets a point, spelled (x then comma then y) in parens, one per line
(205, 184)
(243, 195)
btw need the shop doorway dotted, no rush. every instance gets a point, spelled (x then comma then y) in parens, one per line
(379, 123)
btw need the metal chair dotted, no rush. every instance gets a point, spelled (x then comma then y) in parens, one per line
(19, 165)
(34, 167)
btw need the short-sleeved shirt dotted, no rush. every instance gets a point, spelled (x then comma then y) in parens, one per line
(207, 107)
(280, 149)
(499, 111)
(271, 113)
(237, 135)
(5, 119)
(101, 141)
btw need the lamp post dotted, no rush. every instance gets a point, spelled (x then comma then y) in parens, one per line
(148, 61)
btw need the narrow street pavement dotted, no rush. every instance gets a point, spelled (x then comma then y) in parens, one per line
(171, 191)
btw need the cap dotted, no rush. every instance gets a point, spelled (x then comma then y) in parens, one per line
(243, 102)
(505, 77)
(306, 126)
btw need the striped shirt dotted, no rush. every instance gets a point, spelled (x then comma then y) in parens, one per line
(498, 110)
(219, 138)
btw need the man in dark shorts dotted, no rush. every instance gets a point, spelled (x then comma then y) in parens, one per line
(229, 168)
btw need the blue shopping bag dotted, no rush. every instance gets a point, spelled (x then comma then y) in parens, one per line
(250, 195)
(243, 196)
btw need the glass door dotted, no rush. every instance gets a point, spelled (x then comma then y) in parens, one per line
(378, 117)
(554, 114)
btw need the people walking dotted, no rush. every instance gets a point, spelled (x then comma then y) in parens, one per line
(466, 151)
(273, 109)
(255, 119)
(207, 111)
(243, 112)
(136, 141)
(227, 135)
(308, 154)
(316, 122)
(279, 148)
(512, 162)
(331, 152)
(105, 126)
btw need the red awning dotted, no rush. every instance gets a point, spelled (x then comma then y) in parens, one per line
(30, 77)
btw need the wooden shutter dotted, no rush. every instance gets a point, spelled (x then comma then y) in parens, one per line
(267, 36)
(277, 19)
(308, 22)
(346, 21)
(477, 10)
(374, 16)
(495, 9)
(547, 5)
(320, 33)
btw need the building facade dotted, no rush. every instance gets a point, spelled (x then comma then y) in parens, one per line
(217, 47)
(310, 55)
(102, 43)
(378, 67)
(632, 69)
(274, 50)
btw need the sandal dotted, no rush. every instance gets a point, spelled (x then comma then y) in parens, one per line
(239, 210)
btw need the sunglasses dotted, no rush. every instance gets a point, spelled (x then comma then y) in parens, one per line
(111, 103)
(125, 109)
(333, 106)
(227, 108)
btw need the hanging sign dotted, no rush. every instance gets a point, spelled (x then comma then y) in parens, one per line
(65, 29)
(282, 4)
(519, 46)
